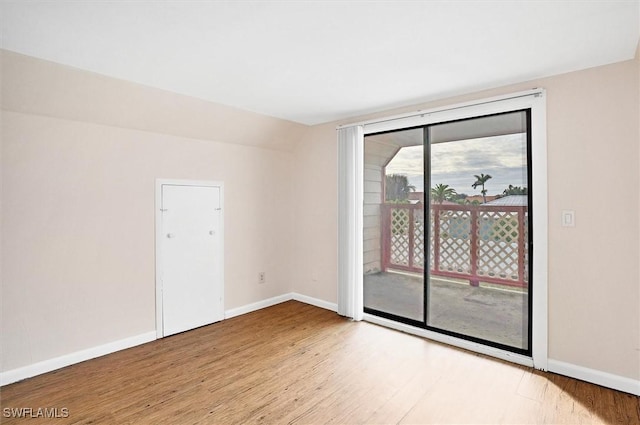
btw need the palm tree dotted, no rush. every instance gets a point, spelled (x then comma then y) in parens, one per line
(442, 192)
(515, 190)
(480, 181)
(397, 187)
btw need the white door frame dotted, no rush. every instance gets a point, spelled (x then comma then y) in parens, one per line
(158, 252)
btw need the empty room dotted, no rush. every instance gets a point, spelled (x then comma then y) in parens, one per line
(309, 212)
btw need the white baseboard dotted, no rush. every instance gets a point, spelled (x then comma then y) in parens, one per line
(604, 379)
(315, 301)
(277, 300)
(257, 305)
(45, 366)
(594, 376)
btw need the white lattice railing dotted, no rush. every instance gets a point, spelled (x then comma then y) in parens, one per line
(474, 242)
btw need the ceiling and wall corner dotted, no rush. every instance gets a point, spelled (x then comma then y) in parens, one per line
(314, 62)
(40, 87)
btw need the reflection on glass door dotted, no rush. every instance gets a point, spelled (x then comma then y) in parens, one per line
(471, 177)
(394, 225)
(478, 281)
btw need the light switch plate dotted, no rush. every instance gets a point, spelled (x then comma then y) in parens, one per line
(568, 218)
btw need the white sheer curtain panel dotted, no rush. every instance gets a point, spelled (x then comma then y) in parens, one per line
(350, 181)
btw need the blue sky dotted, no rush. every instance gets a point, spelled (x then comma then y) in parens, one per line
(455, 163)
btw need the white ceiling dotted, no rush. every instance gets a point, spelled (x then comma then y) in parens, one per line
(319, 61)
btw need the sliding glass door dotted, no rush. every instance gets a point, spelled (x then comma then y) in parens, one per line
(447, 228)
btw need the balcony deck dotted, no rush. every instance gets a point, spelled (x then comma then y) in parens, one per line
(486, 311)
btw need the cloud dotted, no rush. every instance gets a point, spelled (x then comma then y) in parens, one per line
(455, 163)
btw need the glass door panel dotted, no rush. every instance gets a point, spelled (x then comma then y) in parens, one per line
(394, 225)
(478, 285)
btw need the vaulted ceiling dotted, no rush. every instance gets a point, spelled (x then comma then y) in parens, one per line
(318, 61)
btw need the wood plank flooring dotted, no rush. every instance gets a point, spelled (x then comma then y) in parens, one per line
(295, 363)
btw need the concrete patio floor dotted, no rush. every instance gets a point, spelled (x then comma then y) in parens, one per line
(495, 314)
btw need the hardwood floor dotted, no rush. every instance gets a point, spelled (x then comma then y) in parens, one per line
(294, 363)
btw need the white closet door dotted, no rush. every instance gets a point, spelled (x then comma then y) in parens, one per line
(191, 257)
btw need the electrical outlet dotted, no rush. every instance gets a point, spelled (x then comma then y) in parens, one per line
(262, 277)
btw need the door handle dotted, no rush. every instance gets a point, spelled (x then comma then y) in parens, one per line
(212, 232)
(170, 235)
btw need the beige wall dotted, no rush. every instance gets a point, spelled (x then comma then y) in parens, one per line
(80, 153)
(593, 161)
(44, 88)
(78, 203)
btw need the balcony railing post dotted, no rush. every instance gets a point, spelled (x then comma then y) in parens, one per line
(474, 246)
(521, 246)
(385, 235)
(411, 235)
(436, 238)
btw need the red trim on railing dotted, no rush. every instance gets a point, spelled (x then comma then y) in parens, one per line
(412, 237)
(436, 241)
(474, 281)
(385, 217)
(474, 278)
(522, 247)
